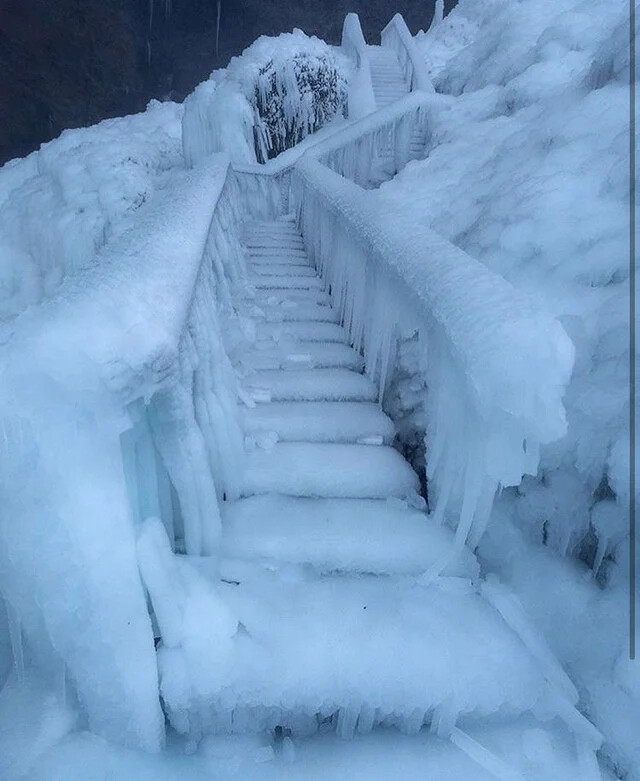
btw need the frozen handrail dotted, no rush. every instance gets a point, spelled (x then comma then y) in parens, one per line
(361, 97)
(268, 185)
(396, 36)
(496, 367)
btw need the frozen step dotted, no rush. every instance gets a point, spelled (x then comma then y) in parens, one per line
(303, 331)
(328, 470)
(276, 252)
(288, 298)
(294, 242)
(303, 355)
(364, 648)
(390, 93)
(313, 385)
(348, 535)
(290, 282)
(290, 261)
(299, 311)
(320, 421)
(283, 270)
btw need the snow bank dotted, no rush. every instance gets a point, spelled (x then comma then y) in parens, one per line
(118, 402)
(267, 100)
(59, 205)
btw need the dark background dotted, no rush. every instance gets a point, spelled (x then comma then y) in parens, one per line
(69, 63)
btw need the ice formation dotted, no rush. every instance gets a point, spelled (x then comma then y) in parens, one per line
(272, 96)
(203, 517)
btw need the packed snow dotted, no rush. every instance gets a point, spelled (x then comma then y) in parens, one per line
(61, 204)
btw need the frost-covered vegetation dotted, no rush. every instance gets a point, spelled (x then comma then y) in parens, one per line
(272, 96)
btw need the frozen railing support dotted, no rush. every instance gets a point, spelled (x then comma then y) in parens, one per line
(137, 421)
(361, 100)
(397, 37)
(496, 368)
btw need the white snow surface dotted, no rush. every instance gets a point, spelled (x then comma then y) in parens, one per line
(61, 204)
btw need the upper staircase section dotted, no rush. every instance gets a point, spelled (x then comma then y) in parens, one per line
(384, 73)
(387, 77)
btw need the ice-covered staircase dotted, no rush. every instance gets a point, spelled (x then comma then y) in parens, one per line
(386, 76)
(318, 616)
(315, 431)
(389, 85)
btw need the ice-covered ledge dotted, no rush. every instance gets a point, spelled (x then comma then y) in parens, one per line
(83, 457)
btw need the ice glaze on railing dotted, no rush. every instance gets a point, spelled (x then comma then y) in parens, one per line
(396, 36)
(352, 151)
(495, 367)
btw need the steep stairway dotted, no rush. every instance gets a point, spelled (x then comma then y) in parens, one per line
(386, 76)
(389, 85)
(318, 618)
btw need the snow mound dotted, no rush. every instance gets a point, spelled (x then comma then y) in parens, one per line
(59, 205)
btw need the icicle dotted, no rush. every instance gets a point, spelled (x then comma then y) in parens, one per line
(15, 635)
(218, 11)
(483, 757)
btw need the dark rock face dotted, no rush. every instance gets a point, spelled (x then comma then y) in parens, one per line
(68, 63)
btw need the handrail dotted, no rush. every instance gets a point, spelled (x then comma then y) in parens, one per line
(267, 185)
(496, 367)
(396, 36)
(361, 100)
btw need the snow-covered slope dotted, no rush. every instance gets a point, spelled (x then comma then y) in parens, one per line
(59, 205)
(527, 170)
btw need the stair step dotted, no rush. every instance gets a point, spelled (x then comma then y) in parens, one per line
(313, 385)
(290, 282)
(294, 242)
(292, 261)
(303, 331)
(287, 298)
(299, 311)
(349, 535)
(364, 648)
(277, 252)
(328, 470)
(303, 355)
(283, 270)
(320, 421)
